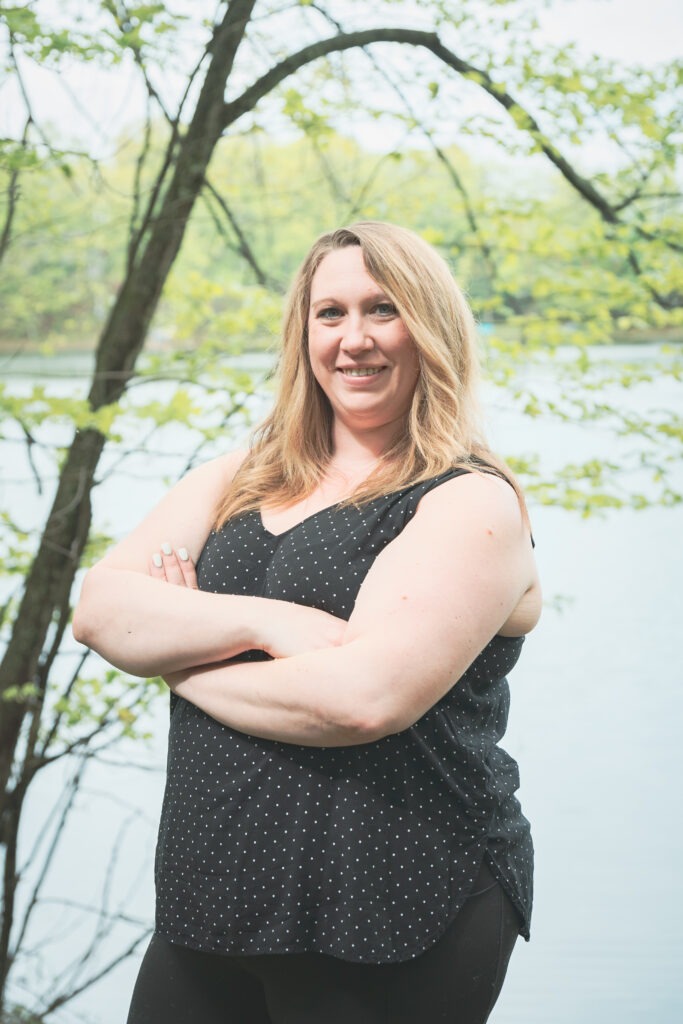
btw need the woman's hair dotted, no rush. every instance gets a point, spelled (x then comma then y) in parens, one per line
(293, 446)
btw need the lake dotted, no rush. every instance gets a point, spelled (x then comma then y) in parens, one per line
(597, 711)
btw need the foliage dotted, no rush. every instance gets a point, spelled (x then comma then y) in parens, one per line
(549, 181)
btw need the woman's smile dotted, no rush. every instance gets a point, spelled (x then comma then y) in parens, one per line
(361, 371)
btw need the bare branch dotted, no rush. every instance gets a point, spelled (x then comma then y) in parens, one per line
(24, 95)
(58, 1001)
(524, 121)
(69, 982)
(642, 197)
(71, 791)
(121, 17)
(52, 731)
(667, 302)
(32, 854)
(13, 194)
(80, 744)
(232, 411)
(156, 769)
(136, 235)
(86, 908)
(430, 41)
(142, 447)
(166, 167)
(137, 184)
(30, 441)
(243, 247)
(443, 158)
(668, 242)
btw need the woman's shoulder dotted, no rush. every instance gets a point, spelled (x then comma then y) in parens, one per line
(215, 475)
(473, 495)
(183, 517)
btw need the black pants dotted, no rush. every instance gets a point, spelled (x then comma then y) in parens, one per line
(456, 980)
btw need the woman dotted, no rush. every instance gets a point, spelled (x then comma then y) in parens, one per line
(340, 839)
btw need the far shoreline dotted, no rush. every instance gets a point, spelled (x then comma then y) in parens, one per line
(56, 347)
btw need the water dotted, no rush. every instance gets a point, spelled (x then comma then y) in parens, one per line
(597, 702)
(597, 711)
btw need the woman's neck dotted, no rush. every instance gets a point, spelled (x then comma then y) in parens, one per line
(359, 453)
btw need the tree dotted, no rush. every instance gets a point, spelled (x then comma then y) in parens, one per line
(538, 103)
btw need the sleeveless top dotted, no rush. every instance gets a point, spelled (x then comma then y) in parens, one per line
(364, 852)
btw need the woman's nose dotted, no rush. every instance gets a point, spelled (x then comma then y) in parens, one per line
(356, 337)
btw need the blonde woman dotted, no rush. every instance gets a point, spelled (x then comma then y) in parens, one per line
(340, 840)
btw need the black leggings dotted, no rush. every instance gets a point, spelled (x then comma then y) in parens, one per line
(456, 980)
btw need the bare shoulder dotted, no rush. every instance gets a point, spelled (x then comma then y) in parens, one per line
(219, 472)
(478, 502)
(478, 519)
(205, 484)
(183, 517)
(463, 563)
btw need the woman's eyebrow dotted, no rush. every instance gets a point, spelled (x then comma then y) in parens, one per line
(368, 300)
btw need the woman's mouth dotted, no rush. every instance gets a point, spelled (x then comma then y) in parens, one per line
(361, 371)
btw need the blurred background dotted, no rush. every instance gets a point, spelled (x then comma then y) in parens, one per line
(163, 169)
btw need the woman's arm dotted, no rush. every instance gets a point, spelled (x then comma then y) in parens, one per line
(143, 626)
(431, 602)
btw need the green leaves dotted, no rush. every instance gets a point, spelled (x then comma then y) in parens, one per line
(26, 693)
(30, 28)
(108, 702)
(33, 409)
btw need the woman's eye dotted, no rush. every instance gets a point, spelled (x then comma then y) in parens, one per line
(330, 313)
(385, 309)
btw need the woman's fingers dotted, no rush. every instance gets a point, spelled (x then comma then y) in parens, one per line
(187, 568)
(173, 566)
(156, 566)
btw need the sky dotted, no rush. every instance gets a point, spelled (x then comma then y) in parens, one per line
(642, 31)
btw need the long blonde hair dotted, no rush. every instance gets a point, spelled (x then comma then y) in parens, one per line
(293, 446)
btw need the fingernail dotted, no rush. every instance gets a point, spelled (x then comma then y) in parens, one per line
(183, 554)
(166, 548)
(156, 558)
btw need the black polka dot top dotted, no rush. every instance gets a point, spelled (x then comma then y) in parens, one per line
(364, 852)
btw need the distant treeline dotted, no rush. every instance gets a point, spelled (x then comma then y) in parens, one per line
(534, 258)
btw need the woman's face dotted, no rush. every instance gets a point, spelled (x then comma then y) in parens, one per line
(360, 350)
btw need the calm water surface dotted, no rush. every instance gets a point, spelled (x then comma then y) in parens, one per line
(597, 710)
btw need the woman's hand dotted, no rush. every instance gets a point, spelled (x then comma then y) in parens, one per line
(286, 629)
(283, 628)
(173, 566)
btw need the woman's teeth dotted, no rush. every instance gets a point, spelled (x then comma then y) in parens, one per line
(363, 371)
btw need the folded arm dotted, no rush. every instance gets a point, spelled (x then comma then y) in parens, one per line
(431, 602)
(144, 626)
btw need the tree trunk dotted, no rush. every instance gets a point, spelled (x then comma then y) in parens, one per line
(52, 572)
(47, 586)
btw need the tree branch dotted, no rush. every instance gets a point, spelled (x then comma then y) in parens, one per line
(456, 181)
(243, 247)
(430, 41)
(86, 908)
(52, 731)
(133, 231)
(42, 874)
(30, 442)
(58, 1001)
(13, 194)
(24, 95)
(70, 980)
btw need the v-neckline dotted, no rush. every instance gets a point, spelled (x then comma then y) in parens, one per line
(283, 533)
(335, 504)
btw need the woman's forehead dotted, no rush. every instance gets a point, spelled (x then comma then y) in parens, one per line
(342, 270)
